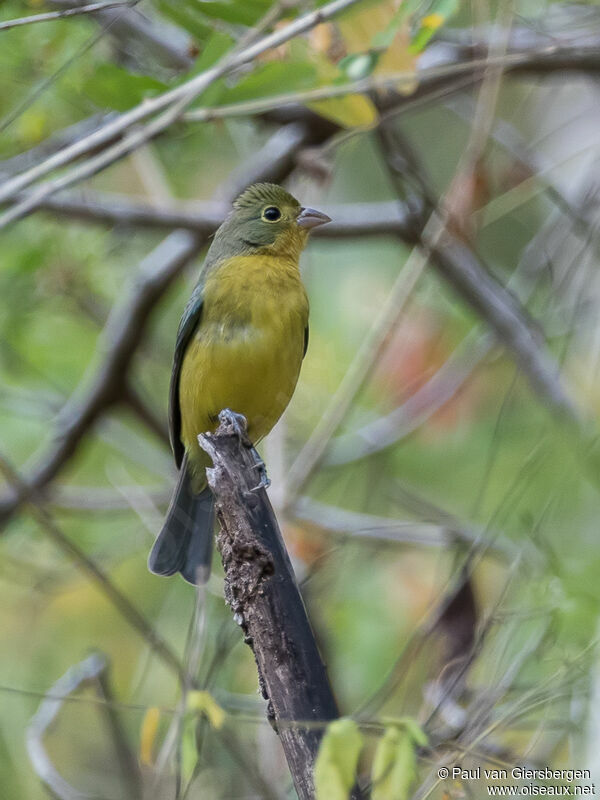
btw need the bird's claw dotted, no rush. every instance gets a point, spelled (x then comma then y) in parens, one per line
(237, 422)
(264, 480)
(238, 425)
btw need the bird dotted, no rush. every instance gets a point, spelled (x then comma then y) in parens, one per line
(240, 345)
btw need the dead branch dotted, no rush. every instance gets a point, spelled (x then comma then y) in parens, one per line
(261, 590)
(356, 219)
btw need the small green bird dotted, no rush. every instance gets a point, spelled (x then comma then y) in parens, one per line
(240, 345)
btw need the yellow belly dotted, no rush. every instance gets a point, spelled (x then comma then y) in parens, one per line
(246, 353)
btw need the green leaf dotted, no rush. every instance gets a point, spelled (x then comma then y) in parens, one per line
(383, 39)
(189, 747)
(270, 79)
(236, 12)
(439, 14)
(113, 87)
(415, 731)
(350, 111)
(335, 768)
(395, 762)
(187, 18)
(214, 49)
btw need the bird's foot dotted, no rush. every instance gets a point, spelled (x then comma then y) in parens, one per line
(238, 425)
(263, 479)
(236, 422)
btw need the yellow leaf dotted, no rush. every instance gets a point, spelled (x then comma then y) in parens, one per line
(351, 111)
(432, 21)
(33, 126)
(148, 735)
(398, 58)
(335, 767)
(321, 37)
(204, 703)
(360, 24)
(395, 762)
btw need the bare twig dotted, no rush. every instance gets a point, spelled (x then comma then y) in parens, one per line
(367, 526)
(356, 219)
(146, 414)
(87, 671)
(373, 346)
(510, 321)
(54, 143)
(541, 53)
(67, 12)
(419, 407)
(124, 606)
(162, 44)
(459, 266)
(125, 756)
(183, 95)
(120, 340)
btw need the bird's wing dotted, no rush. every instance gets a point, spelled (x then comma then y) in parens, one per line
(305, 341)
(187, 326)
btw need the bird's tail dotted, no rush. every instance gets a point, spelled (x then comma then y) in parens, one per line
(185, 542)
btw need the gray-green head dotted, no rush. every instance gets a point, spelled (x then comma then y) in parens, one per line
(265, 219)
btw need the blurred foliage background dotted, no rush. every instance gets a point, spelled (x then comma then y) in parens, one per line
(446, 537)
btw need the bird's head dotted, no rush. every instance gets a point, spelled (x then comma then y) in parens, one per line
(266, 219)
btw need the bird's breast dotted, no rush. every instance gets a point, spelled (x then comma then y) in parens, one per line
(247, 350)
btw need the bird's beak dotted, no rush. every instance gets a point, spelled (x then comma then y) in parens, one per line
(310, 218)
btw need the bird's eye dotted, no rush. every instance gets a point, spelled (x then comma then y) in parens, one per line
(271, 214)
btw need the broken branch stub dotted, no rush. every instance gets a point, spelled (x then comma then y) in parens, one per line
(263, 594)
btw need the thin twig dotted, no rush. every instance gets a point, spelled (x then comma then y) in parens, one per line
(417, 409)
(462, 269)
(125, 755)
(124, 606)
(186, 92)
(355, 377)
(161, 44)
(121, 338)
(67, 12)
(85, 672)
(381, 529)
